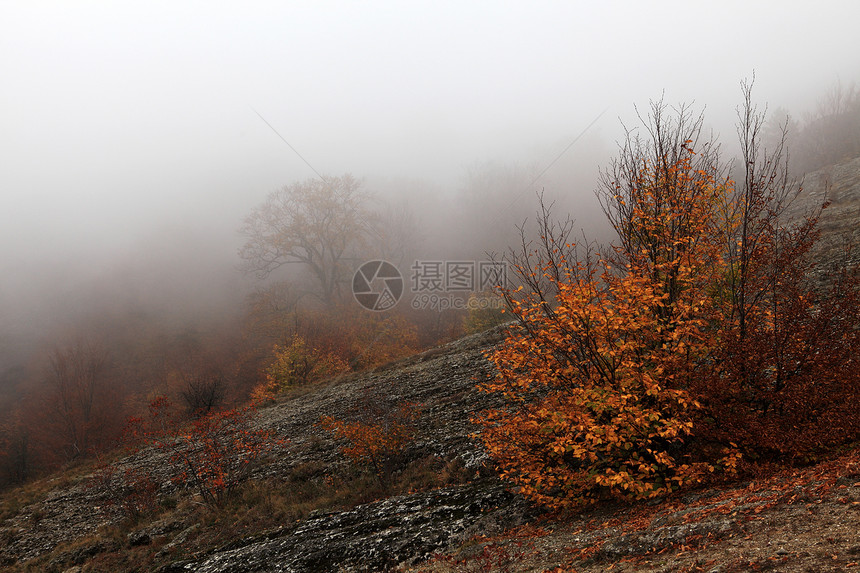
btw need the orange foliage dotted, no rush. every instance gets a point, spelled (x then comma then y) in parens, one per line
(378, 438)
(698, 338)
(596, 381)
(361, 338)
(319, 343)
(783, 382)
(218, 453)
(213, 455)
(299, 363)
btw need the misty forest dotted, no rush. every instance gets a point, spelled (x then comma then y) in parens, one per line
(429, 288)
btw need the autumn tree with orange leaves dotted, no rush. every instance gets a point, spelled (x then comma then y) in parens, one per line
(615, 375)
(595, 374)
(375, 433)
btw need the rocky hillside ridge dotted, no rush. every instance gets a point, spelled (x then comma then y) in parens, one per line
(377, 535)
(840, 221)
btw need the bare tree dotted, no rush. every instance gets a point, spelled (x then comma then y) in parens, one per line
(77, 378)
(763, 192)
(15, 450)
(831, 133)
(204, 391)
(319, 224)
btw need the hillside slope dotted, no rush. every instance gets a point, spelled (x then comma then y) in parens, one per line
(797, 521)
(840, 221)
(59, 530)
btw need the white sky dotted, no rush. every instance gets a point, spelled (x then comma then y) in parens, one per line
(120, 120)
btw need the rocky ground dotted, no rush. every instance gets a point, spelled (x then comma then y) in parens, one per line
(406, 528)
(840, 221)
(798, 521)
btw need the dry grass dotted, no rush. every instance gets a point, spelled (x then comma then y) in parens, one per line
(14, 499)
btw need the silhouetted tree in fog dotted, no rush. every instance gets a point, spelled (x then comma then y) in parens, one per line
(319, 224)
(203, 391)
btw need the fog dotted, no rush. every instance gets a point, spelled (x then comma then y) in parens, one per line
(132, 144)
